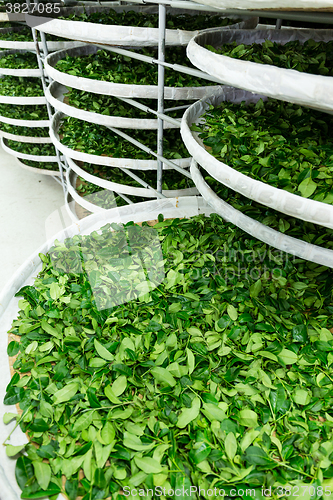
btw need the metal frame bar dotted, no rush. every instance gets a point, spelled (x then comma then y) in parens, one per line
(162, 64)
(152, 60)
(44, 84)
(164, 117)
(160, 100)
(151, 152)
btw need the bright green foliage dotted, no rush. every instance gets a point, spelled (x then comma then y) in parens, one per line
(19, 60)
(111, 106)
(312, 57)
(21, 86)
(288, 146)
(111, 67)
(97, 139)
(22, 35)
(183, 21)
(210, 379)
(32, 149)
(26, 131)
(24, 112)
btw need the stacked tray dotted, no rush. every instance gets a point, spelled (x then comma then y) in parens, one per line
(23, 137)
(113, 35)
(293, 205)
(287, 84)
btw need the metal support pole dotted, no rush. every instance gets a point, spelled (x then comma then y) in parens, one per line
(126, 198)
(44, 85)
(278, 24)
(176, 67)
(164, 117)
(151, 152)
(160, 100)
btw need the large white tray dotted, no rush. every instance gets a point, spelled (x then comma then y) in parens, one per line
(278, 199)
(54, 173)
(116, 89)
(286, 84)
(55, 94)
(171, 208)
(16, 71)
(12, 44)
(294, 246)
(5, 99)
(24, 123)
(103, 160)
(122, 188)
(25, 138)
(122, 35)
(270, 4)
(25, 156)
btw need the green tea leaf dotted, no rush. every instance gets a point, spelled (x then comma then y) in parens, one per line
(103, 353)
(66, 393)
(148, 465)
(163, 376)
(188, 414)
(42, 473)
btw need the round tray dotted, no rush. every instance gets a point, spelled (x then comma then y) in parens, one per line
(104, 160)
(18, 72)
(25, 138)
(287, 84)
(294, 246)
(25, 156)
(6, 99)
(82, 201)
(55, 93)
(117, 89)
(123, 188)
(12, 44)
(54, 173)
(121, 35)
(278, 199)
(147, 211)
(325, 5)
(24, 123)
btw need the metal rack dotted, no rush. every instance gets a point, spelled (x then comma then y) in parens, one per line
(26, 47)
(161, 112)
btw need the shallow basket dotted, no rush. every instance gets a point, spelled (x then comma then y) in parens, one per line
(110, 161)
(55, 94)
(147, 211)
(303, 5)
(25, 138)
(115, 187)
(53, 173)
(14, 44)
(122, 35)
(116, 89)
(28, 72)
(290, 85)
(261, 192)
(24, 156)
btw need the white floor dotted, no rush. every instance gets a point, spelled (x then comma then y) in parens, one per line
(31, 211)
